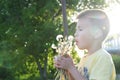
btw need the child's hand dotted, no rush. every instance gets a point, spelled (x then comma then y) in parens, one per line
(64, 62)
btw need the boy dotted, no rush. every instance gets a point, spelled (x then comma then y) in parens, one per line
(91, 30)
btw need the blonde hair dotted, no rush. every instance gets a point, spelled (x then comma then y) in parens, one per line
(97, 18)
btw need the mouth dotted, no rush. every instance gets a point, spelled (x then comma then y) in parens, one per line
(76, 42)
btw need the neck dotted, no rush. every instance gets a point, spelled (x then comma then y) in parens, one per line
(94, 48)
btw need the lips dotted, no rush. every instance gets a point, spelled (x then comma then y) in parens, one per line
(76, 42)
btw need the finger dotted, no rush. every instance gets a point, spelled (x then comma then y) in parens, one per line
(59, 62)
(58, 66)
(68, 55)
(63, 58)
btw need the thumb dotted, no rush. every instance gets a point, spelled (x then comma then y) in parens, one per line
(66, 55)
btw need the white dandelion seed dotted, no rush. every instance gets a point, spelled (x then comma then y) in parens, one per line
(63, 47)
(59, 37)
(54, 46)
(70, 38)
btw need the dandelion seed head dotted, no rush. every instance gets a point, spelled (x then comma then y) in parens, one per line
(59, 37)
(71, 38)
(54, 46)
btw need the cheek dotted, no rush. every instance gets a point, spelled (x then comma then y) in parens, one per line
(81, 42)
(82, 38)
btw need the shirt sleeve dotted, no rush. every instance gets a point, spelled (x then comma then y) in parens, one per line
(102, 69)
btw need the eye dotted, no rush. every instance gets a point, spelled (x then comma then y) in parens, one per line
(80, 29)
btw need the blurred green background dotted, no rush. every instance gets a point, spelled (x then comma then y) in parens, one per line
(27, 30)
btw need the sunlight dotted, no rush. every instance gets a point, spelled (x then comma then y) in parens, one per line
(113, 42)
(113, 13)
(114, 16)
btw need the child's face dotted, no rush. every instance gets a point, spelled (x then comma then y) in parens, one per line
(83, 35)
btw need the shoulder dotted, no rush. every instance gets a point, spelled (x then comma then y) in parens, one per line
(104, 54)
(104, 57)
(104, 64)
(100, 56)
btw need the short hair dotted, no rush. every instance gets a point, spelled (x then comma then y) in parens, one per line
(97, 18)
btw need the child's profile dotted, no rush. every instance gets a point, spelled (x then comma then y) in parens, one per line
(91, 30)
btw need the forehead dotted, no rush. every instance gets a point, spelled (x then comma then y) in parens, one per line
(83, 23)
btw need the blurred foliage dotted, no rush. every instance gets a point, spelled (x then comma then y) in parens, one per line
(27, 30)
(116, 60)
(5, 71)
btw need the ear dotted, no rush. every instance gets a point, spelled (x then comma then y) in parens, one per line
(98, 34)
